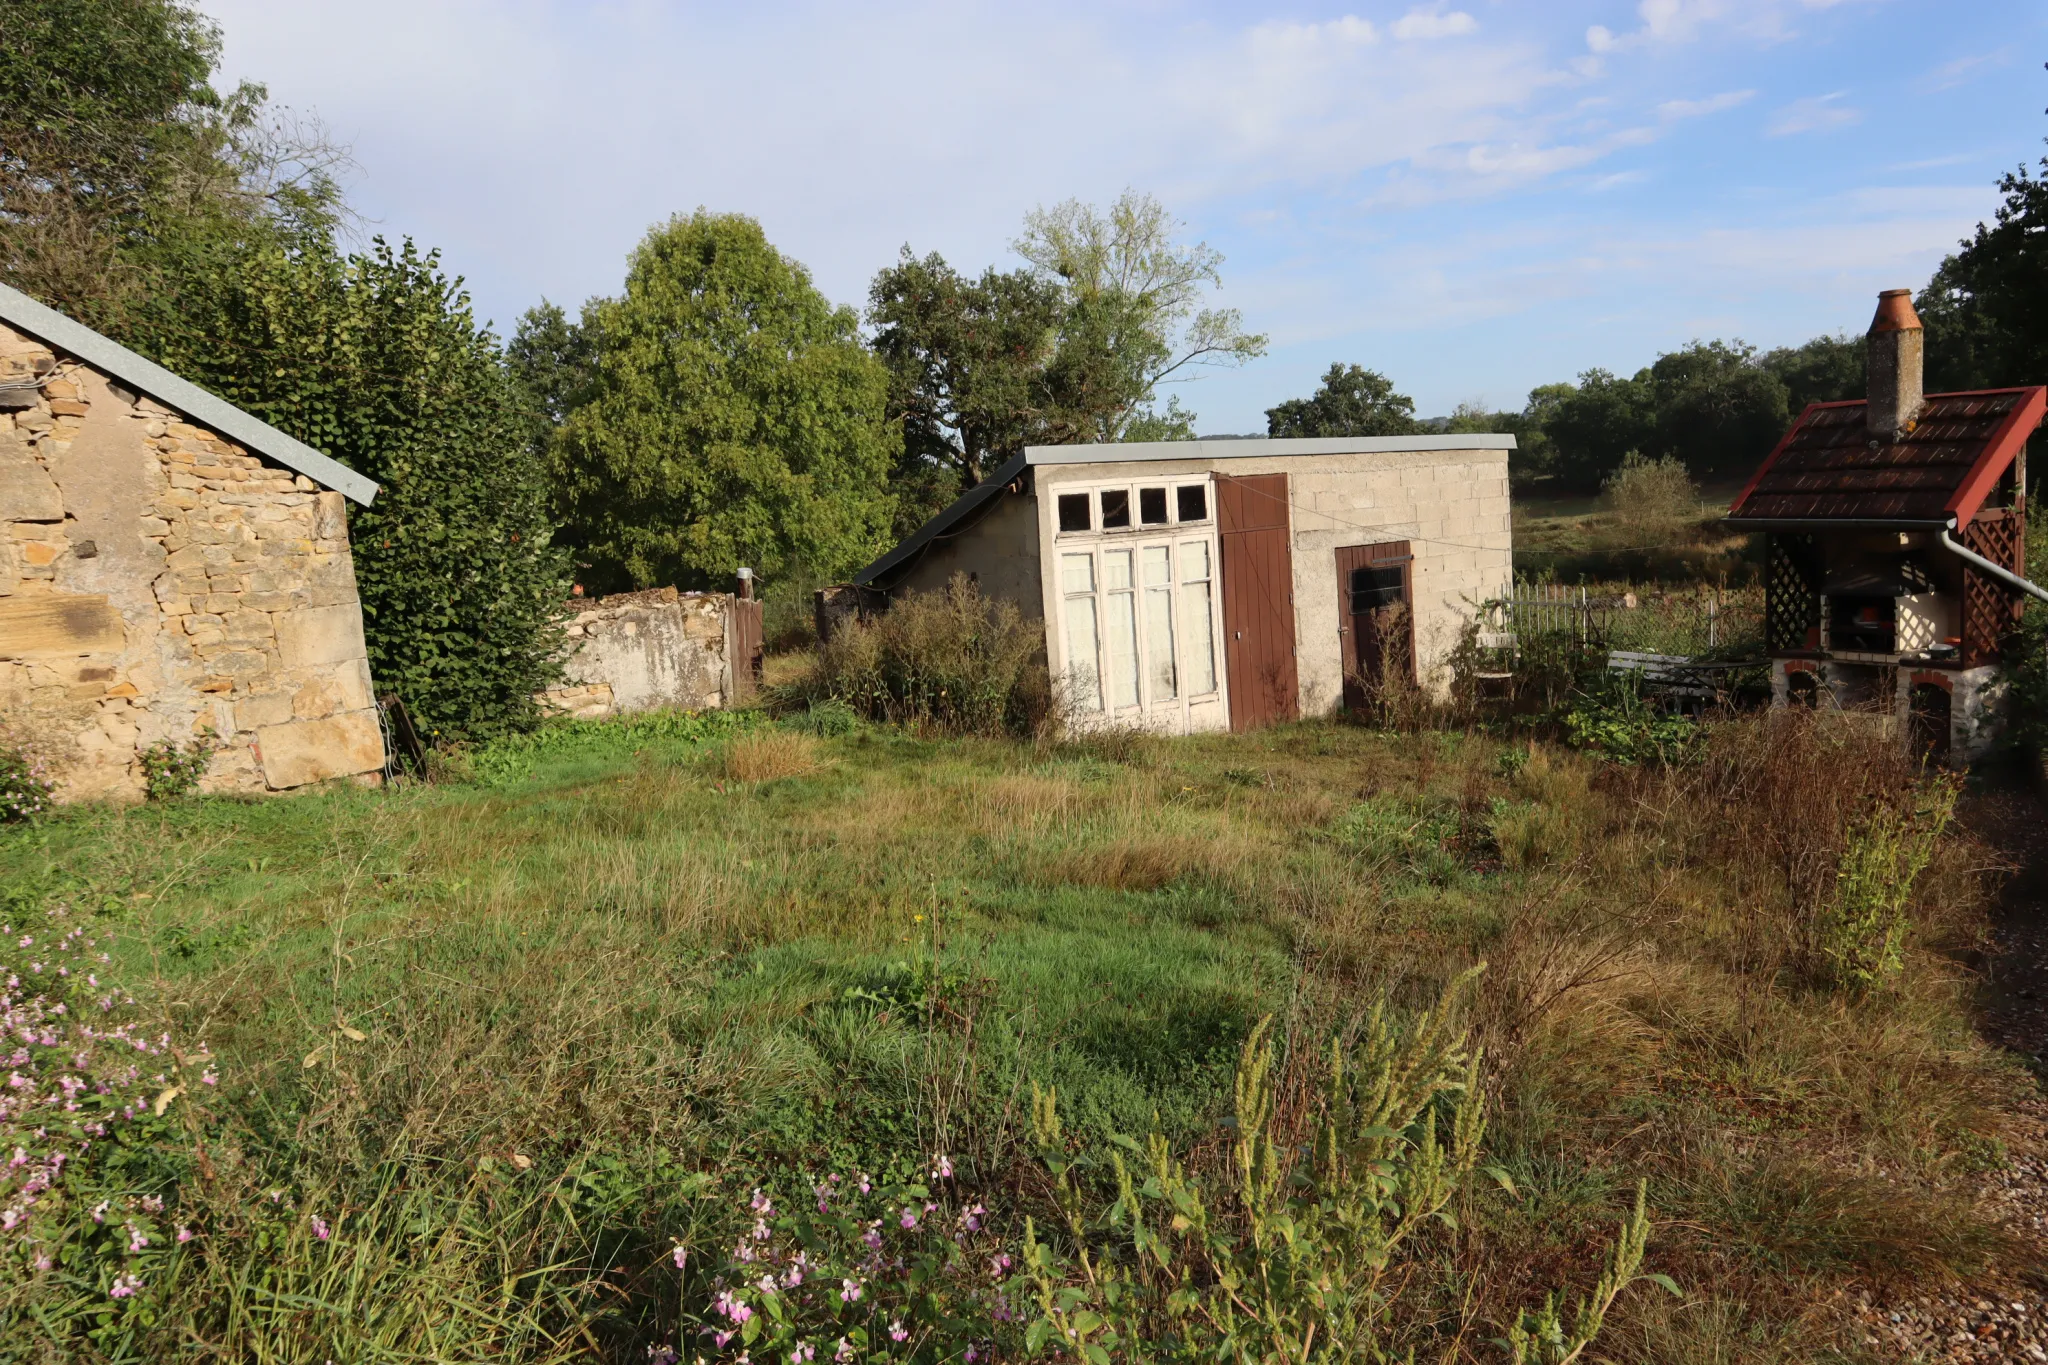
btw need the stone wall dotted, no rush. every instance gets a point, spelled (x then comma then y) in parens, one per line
(640, 651)
(158, 582)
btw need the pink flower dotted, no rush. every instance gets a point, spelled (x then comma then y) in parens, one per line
(849, 1291)
(909, 1219)
(803, 1353)
(124, 1287)
(680, 1254)
(184, 1233)
(897, 1331)
(762, 1204)
(320, 1228)
(136, 1241)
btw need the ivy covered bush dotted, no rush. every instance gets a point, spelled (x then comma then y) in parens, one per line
(375, 359)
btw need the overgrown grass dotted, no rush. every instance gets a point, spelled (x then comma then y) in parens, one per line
(512, 1039)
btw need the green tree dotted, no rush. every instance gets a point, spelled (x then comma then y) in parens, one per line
(1072, 348)
(968, 380)
(734, 418)
(552, 361)
(1596, 424)
(1986, 309)
(1826, 369)
(1718, 410)
(1352, 401)
(376, 360)
(122, 169)
(1133, 318)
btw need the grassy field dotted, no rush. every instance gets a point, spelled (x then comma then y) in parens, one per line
(490, 1051)
(1574, 538)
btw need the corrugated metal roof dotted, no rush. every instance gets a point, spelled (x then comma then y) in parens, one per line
(1827, 468)
(216, 414)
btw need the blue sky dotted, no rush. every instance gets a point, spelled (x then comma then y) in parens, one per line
(1471, 197)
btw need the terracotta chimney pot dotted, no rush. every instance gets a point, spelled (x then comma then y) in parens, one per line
(1897, 350)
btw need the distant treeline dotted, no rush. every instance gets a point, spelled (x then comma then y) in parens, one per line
(1719, 406)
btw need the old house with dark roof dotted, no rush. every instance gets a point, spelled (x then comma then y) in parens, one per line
(1896, 544)
(171, 569)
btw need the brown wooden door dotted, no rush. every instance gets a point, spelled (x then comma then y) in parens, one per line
(744, 648)
(1375, 617)
(1258, 599)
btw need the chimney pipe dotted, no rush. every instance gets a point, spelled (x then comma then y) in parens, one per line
(1897, 348)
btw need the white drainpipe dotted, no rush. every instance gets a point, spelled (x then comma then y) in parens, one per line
(1997, 571)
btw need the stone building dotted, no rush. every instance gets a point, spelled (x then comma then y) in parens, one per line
(1204, 585)
(171, 569)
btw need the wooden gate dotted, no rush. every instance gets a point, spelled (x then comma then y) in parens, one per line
(1258, 599)
(1376, 618)
(743, 647)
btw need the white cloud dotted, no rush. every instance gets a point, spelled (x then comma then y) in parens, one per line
(1814, 114)
(1961, 71)
(1712, 104)
(1434, 24)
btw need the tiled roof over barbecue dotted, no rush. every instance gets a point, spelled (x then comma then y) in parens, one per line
(1828, 469)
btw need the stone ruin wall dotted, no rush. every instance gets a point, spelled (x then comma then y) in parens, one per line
(157, 582)
(640, 651)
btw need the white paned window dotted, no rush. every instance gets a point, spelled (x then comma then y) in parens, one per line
(1162, 678)
(1138, 606)
(1196, 595)
(1121, 628)
(1084, 669)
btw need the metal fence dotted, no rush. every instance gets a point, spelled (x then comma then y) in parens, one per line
(1704, 622)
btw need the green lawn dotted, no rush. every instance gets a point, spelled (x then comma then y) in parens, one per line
(515, 1035)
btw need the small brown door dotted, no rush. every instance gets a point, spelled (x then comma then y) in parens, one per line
(1375, 618)
(1258, 599)
(744, 647)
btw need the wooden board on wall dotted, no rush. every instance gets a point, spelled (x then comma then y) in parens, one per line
(1258, 599)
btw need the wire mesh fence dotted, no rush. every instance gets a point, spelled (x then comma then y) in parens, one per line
(1701, 623)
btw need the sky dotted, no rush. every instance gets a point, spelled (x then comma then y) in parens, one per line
(1472, 198)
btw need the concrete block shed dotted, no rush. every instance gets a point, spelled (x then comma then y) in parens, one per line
(170, 566)
(1206, 585)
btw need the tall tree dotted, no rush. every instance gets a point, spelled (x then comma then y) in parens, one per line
(1718, 410)
(121, 168)
(1986, 309)
(552, 361)
(1597, 423)
(1134, 317)
(967, 363)
(376, 360)
(1351, 401)
(734, 417)
(1826, 369)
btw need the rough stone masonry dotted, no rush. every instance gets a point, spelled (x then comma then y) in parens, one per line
(158, 582)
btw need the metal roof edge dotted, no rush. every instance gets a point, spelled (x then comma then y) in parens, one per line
(1119, 452)
(1760, 523)
(217, 414)
(954, 512)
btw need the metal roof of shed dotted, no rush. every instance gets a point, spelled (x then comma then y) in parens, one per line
(1829, 469)
(950, 521)
(113, 359)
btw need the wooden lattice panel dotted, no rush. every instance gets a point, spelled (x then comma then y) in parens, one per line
(1791, 594)
(1991, 610)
